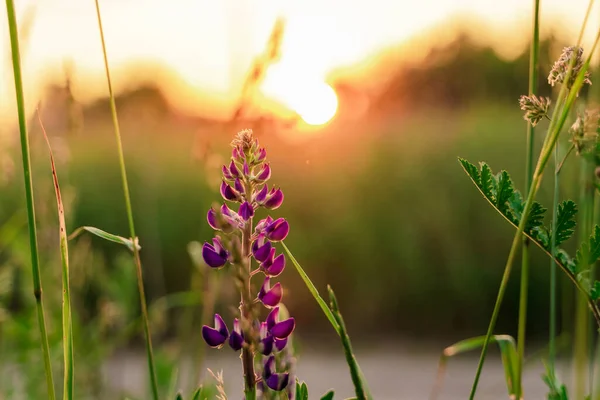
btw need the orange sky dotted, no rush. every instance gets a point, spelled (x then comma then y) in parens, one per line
(209, 44)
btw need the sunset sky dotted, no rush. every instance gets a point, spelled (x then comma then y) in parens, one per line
(208, 45)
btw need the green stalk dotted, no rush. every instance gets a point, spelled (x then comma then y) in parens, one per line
(136, 253)
(582, 326)
(559, 116)
(533, 77)
(67, 322)
(35, 267)
(552, 328)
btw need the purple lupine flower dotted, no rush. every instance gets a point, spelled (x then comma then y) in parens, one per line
(273, 266)
(277, 230)
(239, 187)
(275, 381)
(229, 193)
(227, 174)
(262, 155)
(214, 255)
(236, 340)
(261, 196)
(263, 224)
(274, 199)
(232, 217)
(211, 217)
(263, 174)
(246, 169)
(280, 343)
(233, 170)
(270, 296)
(246, 211)
(279, 330)
(215, 337)
(261, 249)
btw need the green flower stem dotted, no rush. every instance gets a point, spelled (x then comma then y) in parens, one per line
(246, 309)
(35, 260)
(552, 328)
(533, 77)
(136, 253)
(564, 104)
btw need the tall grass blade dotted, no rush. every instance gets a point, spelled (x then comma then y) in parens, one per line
(67, 322)
(130, 244)
(508, 353)
(533, 78)
(136, 254)
(357, 379)
(35, 267)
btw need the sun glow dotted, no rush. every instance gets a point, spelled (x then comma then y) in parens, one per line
(312, 99)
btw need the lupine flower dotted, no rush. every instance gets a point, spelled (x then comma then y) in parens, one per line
(275, 381)
(244, 182)
(214, 255)
(236, 340)
(535, 108)
(270, 296)
(215, 337)
(561, 66)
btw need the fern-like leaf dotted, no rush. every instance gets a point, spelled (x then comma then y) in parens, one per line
(565, 221)
(536, 217)
(472, 170)
(487, 181)
(594, 247)
(504, 191)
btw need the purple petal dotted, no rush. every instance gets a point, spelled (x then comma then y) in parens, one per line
(272, 318)
(261, 252)
(261, 196)
(236, 341)
(283, 329)
(265, 346)
(228, 192)
(211, 217)
(226, 174)
(264, 174)
(262, 154)
(238, 185)
(275, 200)
(269, 367)
(213, 337)
(246, 169)
(220, 325)
(246, 211)
(280, 343)
(263, 224)
(278, 230)
(235, 172)
(270, 296)
(276, 267)
(278, 382)
(212, 257)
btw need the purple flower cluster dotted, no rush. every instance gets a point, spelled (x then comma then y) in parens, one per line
(238, 242)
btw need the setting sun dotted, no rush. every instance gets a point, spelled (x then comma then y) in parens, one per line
(315, 104)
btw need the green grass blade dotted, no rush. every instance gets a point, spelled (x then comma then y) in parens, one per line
(313, 290)
(67, 323)
(508, 352)
(106, 236)
(35, 267)
(136, 255)
(357, 379)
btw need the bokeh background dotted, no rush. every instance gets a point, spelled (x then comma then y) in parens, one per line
(364, 107)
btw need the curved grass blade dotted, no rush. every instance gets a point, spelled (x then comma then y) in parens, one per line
(67, 324)
(25, 155)
(508, 352)
(106, 236)
(328, 395)
(357, 379)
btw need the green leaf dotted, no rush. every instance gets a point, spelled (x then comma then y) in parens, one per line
(179, 396)
(565, 221)
(508, 352)
(471, 170)
(594, 247)
(536, 216)
(301, 390)
(487, 181)
(595, 291)
(197, 393)
(328, 395)
(105, 235)
(504, 191)
(515, 206)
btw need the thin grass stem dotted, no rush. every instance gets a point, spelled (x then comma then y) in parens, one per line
(136, 253)
(25, 153)
(533, 77)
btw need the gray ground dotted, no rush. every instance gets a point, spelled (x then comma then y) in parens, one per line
(395, 372)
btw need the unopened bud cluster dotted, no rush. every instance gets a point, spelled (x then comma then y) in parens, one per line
(535, 108)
